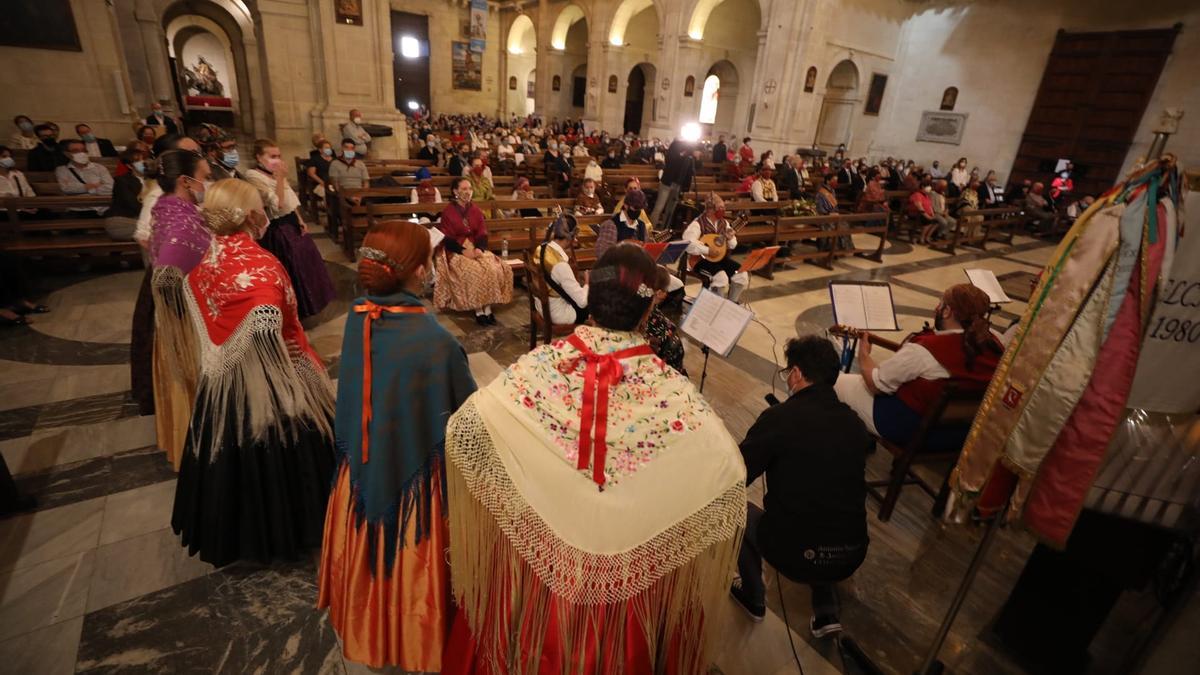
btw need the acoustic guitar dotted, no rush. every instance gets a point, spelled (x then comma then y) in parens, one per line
(840, 330)
(718, 242)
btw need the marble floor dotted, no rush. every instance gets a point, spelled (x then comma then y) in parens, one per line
(95, 581)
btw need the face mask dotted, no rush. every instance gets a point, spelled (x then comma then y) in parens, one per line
(140, 166)
(358, 120)
(927, 188)
(158, 113)
(230, 158)
(79, 157)
(477, 169)
(328, 152)
(25, 126)
(7, 162)
(349, 154)
(552, 145)
(430, 144)
(198, 194)
(720, 213)
(49, 141)
(464, 196)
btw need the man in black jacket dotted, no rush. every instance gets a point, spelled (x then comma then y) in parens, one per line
(790, 184)
(96, 147)
(813, 449)
(46, 155)
(677, 175)
(720, 150)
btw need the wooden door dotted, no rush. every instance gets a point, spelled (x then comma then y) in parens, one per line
(1092, 97)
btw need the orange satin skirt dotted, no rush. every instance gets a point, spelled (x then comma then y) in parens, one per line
(397, 619)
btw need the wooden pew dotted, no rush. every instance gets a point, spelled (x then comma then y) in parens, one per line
(998, 224)
(63, 236)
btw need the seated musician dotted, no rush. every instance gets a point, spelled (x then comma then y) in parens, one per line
(724, 271)
(629, 222)
(762, 189)
(567, 299)
(893, 396)
(470, 277)
(587, 203)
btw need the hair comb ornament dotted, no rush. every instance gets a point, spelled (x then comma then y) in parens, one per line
(225, 217)
(645, 291)
(377, 256)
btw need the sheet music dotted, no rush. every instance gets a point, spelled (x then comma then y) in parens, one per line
(717, 322)
(986, 281)
(863, 306)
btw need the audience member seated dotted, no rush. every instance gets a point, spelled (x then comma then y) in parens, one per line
(935, 170)
(941, 215)
(149, 136)
(223, 158)
(354, 131)
(920, 209)
(522, 191)
(628, 222)
(567, 298)
(83, 176)
(850, 177)
(989, 194)
(317, 168)
(24, 137)
(959, 177)
(813, 524)
(46, 156)
(481, 180)
(1017, 193)
(969, 201)
(1040, 212)
(348, 173)
(95, 147)
(873, 199)
(121, 220)
(1076, 208)
(826, 205)
(429, 150)
(425, 192)
(12, 181)
(556, 167)
(586, 202)
(460, 161)
(506, 154)
(745, 153)
(470, 277)
(892, 397)
(790, 183)
(158, 118)
(762, 189)
(611, 160)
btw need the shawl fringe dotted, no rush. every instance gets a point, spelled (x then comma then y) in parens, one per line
(510, 572)
(176, 334)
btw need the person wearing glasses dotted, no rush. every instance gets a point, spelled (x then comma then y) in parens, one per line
(812, 526)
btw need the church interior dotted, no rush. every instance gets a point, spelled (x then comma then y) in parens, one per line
(869, 157)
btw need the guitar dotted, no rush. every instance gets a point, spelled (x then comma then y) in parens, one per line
(717, 242)
(839, 330)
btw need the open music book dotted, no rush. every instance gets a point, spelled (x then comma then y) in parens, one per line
(866, 305)
(986, 281)
(716, 322)
(665, 252)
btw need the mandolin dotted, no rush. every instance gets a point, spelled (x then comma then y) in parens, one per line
(717, 242)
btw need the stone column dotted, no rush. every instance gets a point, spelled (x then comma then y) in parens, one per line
(154, 37)
(541, 87)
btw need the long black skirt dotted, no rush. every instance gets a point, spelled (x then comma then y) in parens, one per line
(302, 259)
(141, 348)
(260, 502)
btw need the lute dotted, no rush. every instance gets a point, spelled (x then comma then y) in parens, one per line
(718, 242)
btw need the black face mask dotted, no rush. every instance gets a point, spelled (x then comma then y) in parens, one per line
(49, 140)
(632, 214)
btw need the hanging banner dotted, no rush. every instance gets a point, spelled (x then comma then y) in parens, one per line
(479, 15)
(1165, 380)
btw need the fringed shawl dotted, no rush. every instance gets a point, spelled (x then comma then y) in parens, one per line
(257, 370)
(533, 536)
(179, 237)
(419, 376)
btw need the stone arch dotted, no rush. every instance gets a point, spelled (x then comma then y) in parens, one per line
(698, 17)
(624, 14)
(726, 102)
(519, 35)
(566, 18)
(640, 98)
(837, 107)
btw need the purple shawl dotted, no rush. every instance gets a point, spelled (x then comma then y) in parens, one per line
(179, 237)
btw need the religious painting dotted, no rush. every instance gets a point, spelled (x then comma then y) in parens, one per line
(349, 12)
(949, 98)
(942, 127)
(689, 86)
(612, 84)
(46, 24)
(810, 79)
(201, 79)
(479, 13)
(512, 83)
(466, 67)
(556, 83)
(875, 94)
(529, 88)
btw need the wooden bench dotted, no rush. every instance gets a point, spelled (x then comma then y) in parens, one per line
(995, 225)
(63, 236)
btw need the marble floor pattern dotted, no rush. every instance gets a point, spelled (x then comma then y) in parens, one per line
(94, 581)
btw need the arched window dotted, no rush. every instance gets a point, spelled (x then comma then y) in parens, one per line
(556, 83)
(810, 79)
(512, 83)
(708, 99)
(689, 86)
(612, 84)
(949, 98)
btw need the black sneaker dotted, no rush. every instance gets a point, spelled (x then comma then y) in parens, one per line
(824, 626)
(755, 612)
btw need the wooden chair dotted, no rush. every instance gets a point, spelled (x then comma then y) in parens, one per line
(540, 292)
(953, 408)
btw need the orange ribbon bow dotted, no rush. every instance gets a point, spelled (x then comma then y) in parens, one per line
(374, 311)
(602, 371)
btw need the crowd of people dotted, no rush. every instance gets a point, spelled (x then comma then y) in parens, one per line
(574, 533)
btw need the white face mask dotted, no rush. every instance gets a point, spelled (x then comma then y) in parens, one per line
(79, 157)
(358, 120)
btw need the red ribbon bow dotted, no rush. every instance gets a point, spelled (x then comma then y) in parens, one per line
(602, 371)
(373, 312)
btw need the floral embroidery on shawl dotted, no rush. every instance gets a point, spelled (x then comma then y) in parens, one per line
(649, 407)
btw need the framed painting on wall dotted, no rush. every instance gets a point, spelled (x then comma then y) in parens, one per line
(349, 12)
(47, 24)
(875, 94)
(810, 79)
(689, 86)
(949, 98)
(512, 83)
(556, 83)
(466, 67)
(612, 84)
(942, 127)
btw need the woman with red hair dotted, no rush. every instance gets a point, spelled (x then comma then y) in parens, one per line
(383, 573)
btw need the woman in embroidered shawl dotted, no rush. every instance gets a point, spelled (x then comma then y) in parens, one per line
(287, 237)
(470, 277)
(383, 569)
(259, 458)
(595, 503)
(179, 240)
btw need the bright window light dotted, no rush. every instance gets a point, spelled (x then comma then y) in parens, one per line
(708, 99)
(409, 47)
(690, 132)
(412, 105)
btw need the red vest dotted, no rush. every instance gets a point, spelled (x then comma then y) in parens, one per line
(921, 394)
